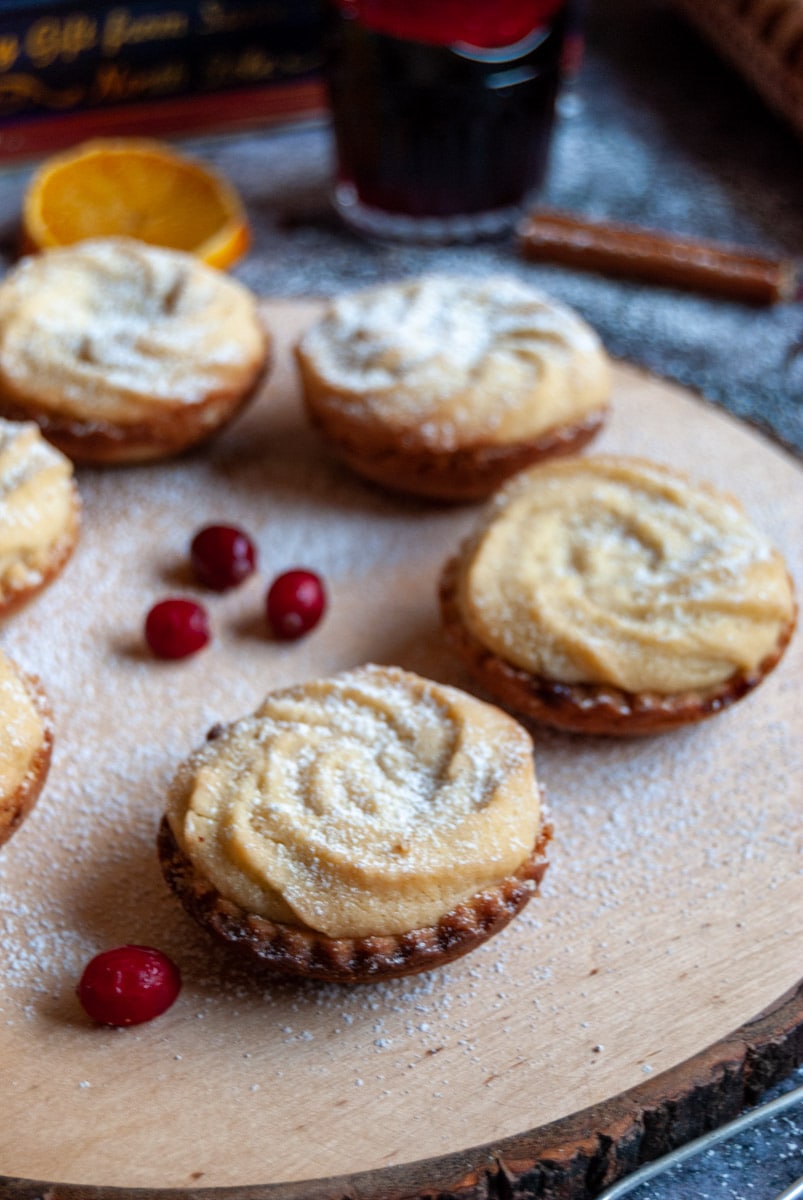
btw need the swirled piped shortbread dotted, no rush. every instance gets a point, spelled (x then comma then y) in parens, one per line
(123, 351)
(26, 738)
(39, 513)
(444, 386)
(364, 826)
(612, 595)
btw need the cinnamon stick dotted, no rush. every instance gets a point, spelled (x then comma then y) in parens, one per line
(622, 250)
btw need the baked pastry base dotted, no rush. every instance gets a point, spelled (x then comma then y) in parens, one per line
(15, 807)
(666, 929)
(590, 708)
(100, 443)
(468, 473)
(13, 598)
(291, 951)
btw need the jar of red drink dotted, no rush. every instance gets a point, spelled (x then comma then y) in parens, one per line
(442, 111)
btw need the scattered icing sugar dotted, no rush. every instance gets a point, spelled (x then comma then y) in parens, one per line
(113, 327)
(612, 571)
(432, 335)
(36, 506)
(336, 788)
(647, 850)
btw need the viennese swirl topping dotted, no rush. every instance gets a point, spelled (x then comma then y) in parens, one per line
(370, 803)
(22, 729)
(114, 330)
(616, 571)
(446, 359)
(37, 503)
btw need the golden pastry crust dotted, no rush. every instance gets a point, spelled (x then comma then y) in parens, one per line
(352, 819)
(471, 473)
(292, 951)
(630, 604)
(26, 742)
(125, 352)
(590, 708)
(443, 387)
(40, 513)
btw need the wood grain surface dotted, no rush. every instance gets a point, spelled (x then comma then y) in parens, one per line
(547, 1062)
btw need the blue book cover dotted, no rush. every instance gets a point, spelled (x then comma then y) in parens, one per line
(58, 57)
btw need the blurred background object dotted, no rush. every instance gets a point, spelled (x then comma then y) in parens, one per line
(763, 39)
(442, 111)
(71, 70)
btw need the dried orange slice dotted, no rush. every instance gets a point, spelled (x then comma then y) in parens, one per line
(136, 188)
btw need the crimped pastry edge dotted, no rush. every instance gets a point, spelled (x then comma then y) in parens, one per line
(14, 808)
(471, 472)
(304, 953)
(591, 708)
(14, 598)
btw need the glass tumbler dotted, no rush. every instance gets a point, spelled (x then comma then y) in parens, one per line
(442, 111)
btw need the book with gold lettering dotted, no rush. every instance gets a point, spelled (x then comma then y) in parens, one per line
(70, 70)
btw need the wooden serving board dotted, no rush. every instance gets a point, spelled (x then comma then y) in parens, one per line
(671, 915)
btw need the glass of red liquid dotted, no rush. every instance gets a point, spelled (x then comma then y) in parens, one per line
(442, 112)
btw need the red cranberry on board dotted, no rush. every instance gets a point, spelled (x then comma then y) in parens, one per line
(176, 628)
(222, 556)
(295, 603)
(128, 985)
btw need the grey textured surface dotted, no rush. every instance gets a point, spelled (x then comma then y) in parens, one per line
(657, 132)
(757, 1165)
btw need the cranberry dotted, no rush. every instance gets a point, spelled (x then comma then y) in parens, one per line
(222, 556)
(128, 985)
(176, 628)
(295, 604)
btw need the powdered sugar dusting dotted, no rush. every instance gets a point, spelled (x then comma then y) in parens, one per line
(370, 804)
(113, 329)
(669, 914)
(614, 572)
(36, 506)
(433, 335)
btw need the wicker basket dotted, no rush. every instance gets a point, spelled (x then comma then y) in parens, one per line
(763, 39)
